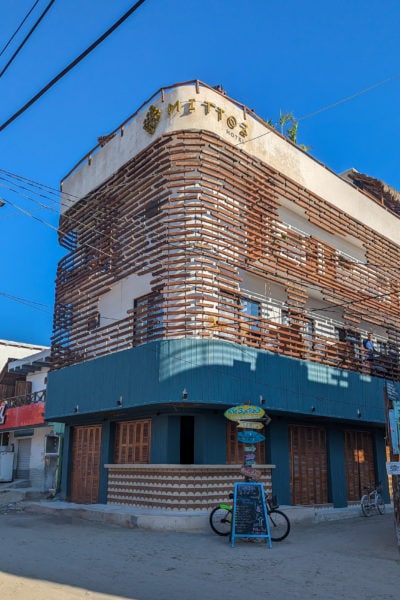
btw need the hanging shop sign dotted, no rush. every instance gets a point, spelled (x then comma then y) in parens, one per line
(393, 468)
(250, 457)
(250, 424)
(394, 427)
(250, 472)
(248, 436)
(243, 411)
(250, 448)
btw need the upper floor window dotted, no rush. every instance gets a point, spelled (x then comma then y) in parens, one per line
(252, 310)
(148, 317)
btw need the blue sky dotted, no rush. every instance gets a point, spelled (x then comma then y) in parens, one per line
(287, 56)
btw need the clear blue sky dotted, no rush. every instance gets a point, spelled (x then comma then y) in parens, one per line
(271, 56)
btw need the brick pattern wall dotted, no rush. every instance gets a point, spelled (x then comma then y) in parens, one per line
(175, 487)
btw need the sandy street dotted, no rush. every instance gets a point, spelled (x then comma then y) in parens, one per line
(54, 558)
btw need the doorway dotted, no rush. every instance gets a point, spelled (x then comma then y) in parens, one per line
(23, 458)
(187, 441)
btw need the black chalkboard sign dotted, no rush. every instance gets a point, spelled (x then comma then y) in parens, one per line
(250, 517)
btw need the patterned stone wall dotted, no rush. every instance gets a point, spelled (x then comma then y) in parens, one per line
(194, 487)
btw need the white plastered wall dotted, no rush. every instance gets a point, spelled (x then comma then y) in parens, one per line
(37, 455)
(115, 304)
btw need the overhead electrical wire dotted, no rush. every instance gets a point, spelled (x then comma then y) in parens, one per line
(26, 38)
(53, 227)
(71, 65)
(374, 86)
(46, 308)
(18, 28)
(330, 106)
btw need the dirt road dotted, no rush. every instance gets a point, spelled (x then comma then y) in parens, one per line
(48, 558)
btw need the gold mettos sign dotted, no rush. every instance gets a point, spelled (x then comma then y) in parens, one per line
(236, 129)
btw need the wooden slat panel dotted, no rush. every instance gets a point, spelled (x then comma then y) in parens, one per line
(132, 442)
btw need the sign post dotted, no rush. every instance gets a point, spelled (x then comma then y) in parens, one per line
(250, 516)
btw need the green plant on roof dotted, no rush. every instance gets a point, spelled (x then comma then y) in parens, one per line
(289, 125)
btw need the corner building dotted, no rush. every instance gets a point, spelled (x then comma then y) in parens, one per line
(212, 262)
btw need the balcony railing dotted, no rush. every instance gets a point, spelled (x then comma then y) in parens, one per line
(26, 399)
(288, 340)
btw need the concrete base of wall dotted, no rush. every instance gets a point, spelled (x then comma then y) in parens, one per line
(169, 520)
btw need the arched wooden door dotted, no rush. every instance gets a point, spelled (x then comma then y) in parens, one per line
(85, 468)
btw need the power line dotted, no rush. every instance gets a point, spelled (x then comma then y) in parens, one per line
(18, 28)
(330, 106)
(56, 229)
(72, 65)
(351, 97)
(31, 303)
(26, 38)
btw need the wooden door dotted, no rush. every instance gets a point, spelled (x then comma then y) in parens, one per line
(85, 469)
(308, 462)
(359, 457)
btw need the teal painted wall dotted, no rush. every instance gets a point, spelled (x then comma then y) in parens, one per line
(159, 439)
(214, 373)
(210, 439)
(106, 457)
(165, 438)
(66, 458)
(277, 453)
(380, 466)
(336, 468)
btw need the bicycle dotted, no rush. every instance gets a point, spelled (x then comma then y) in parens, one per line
(372, 500)
(221, 519)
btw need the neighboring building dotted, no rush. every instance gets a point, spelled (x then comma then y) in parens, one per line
(10, 349)
(212, 262)
(29, 447)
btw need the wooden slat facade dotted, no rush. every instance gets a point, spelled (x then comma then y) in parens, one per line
(195, 212)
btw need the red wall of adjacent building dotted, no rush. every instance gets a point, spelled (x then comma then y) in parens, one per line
(23, 416)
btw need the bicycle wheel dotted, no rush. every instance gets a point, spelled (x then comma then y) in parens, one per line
(380, 504)
(279, 525)
(221, 520)
(366, 506)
